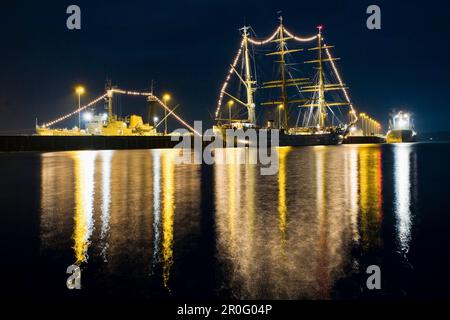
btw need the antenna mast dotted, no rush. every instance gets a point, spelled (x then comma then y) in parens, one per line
(109, 99)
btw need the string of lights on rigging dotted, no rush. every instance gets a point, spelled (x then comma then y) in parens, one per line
(258, 43)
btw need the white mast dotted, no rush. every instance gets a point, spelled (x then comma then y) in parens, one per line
(248, 80)
(322, 112)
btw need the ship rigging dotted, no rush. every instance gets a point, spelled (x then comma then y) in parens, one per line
(307, 100)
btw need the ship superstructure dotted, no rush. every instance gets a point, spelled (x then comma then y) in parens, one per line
(401, 128)
(105, 124)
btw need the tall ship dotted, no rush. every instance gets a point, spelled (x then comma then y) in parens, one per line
(401, 128)
(304, 96)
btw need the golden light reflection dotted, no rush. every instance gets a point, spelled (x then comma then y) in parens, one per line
(84, 198)
(233, 157)
(351, 188)
(250, 171)
(323, 192)
(250, 196)
(130, 214)
(320, 180)
(237, 215)
(282, 207)
(131, 197)
(168, 214)
(370, 195)
(316, 189)
(323, 268)
(232, 189)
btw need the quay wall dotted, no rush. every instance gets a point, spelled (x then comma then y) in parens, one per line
(66, 143)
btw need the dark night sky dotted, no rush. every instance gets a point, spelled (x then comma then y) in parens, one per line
(186, 47)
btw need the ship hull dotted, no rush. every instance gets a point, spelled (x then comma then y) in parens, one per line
(298, 140)
(291, 140)
(399, 136)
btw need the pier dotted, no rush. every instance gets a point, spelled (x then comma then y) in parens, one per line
(365, 130)
(67, 143)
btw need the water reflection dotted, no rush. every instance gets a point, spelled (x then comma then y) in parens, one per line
(120, 209)
(136, 216)
(296, 240)
(106, 201)
(56, 227)
(84, 193)
(370, 196)
(156, 208)
(282, 208)
(404, 163)
(168, 215)
(351, 188)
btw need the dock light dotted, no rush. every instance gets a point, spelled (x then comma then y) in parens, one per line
(79, 90)
(230, 104)
(87, 116)
(166, 98)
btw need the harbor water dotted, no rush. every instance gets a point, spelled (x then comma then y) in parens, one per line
(140, 225)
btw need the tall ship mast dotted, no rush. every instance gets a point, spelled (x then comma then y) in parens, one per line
(284, 101)
(248, 80)
(307, 100)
